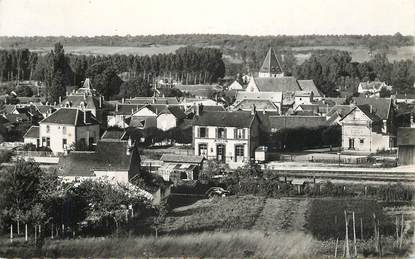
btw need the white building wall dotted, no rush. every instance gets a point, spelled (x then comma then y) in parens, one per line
(56, 134)
(166, 121)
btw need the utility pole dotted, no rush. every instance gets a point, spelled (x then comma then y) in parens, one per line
(347, 235)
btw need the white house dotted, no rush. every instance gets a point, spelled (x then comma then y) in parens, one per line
(229, 137)
(67, 126)
(362, 131)
(170, 117)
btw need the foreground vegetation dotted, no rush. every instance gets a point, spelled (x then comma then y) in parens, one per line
(217, 245)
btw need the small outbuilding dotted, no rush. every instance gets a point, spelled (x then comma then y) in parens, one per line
(406, 146)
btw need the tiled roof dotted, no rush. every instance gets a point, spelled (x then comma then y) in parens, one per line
(71, 116)
(175, 110)
(308, 85)
(16, 118)
(366, 109)
(181, 159)
(341, 110)
(109, 155)
(238, 119)
(271, 63)
(406, 136)
(380, 106)
(152, 100)
(273, 96)
(126, 109)
(33, 132)
(247, 104)
(45, 108)
(277, 84)
(76, 100)
(9, 108)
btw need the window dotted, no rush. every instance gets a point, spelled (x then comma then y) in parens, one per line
(64, 130)
(43, 141)
(239, 153)
(48, 142)
(239, 133)
(64, 142)
(202, 149)
(47, 128)
(203, 132)
(362, 141)
(221, 133)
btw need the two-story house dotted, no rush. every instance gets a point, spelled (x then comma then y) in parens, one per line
(68, 126)
(362, 131)
(229, 137)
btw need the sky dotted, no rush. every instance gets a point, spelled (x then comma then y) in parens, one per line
(248, 17)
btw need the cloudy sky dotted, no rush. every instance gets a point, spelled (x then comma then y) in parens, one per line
(253, 17)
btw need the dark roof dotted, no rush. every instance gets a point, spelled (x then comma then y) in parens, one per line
(405, 108)
(406, 136)
(338, 111)
(281, 122)
(238, 119)
(380, 106)
(366, 109)
(33, 132)
(70, 116)
(45, 108)
(213, 108)
(175, 110)
(308, 85)
(156, 108)
(109, 155)
(271, 63)
(16, 118)
(9, 108)
(125, 109)
(75, 101)
(136, 122)
(277, 84)
(114, 134)
(181, 159)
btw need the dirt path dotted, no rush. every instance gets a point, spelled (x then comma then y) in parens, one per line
(282, 215)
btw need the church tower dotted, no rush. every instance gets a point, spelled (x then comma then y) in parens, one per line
(271, 67)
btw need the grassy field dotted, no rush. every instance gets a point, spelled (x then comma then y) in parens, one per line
(236, 244)
(359, 54)
(108, 50)
(223, 214)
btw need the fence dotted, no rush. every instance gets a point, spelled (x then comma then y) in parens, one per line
(34, 154)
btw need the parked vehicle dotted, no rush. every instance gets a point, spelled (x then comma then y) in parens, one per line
(217, 192)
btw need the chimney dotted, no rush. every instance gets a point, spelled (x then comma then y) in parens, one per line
(371, 108)
(264, 111)
(253, 111)
(60, 99)
(84, 96)
(122, 100)
(100, 102)
(132, 110)
(116, 107)
(197, 111)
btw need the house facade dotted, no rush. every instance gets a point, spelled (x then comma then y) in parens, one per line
(362, 131)
(66, 127)
(228, 137)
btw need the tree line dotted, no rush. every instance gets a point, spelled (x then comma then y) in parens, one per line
(222, 40)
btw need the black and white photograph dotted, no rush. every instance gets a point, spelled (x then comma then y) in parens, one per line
(207, 129)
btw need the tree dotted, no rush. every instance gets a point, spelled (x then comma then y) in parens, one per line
(24, 90)
(384, 92)
(55, 73)
(105, 78)
(135, 87)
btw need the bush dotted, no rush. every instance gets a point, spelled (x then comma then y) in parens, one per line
(5, 156)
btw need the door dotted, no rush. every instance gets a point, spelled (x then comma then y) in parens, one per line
(220, 152)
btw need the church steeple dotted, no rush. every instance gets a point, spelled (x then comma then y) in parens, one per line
(271, 67)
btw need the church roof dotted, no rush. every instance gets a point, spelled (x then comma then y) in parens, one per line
(277, 84)
(271, 63)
